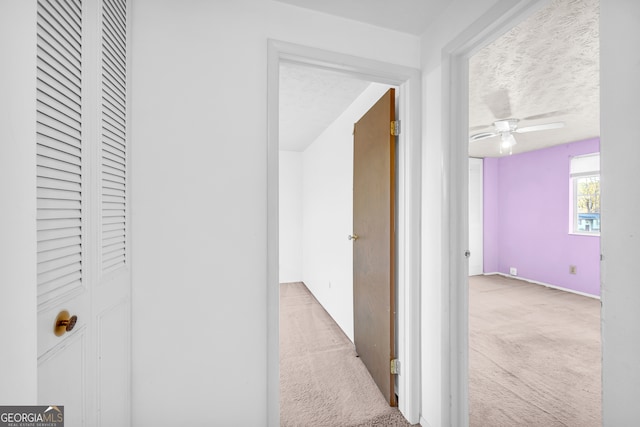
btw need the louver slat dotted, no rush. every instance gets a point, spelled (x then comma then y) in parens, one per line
(59, 147)
(114, 137)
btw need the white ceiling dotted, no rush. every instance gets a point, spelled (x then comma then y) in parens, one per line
(310, 100)
(406, 16)
(544, 70)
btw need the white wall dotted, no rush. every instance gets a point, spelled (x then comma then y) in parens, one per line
(18, 358)
(319, 30)
(290, 216)
(455, 20)
(620, 245)
(328, 211)
(199, 168)
(199, 213)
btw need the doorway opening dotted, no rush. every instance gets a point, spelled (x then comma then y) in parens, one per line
(497, 22)
(408, 82)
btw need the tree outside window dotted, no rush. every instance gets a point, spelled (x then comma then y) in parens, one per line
(585, 189)
(588, 204)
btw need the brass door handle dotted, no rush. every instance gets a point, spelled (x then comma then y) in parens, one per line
(352, 237)
(64, 323)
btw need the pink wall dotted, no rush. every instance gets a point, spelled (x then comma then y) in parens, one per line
(526, 219)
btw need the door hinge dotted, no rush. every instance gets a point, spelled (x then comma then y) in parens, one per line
(395, 367)
(395, 127)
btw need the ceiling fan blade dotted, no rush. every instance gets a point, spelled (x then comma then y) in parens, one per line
(545, 126)
(483, 135)
(475, 128)
(499, 104)
(546, 115)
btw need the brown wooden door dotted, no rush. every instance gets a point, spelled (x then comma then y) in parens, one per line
(374, 249)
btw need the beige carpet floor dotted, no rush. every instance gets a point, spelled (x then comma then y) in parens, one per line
(322, 381)
(534, 355)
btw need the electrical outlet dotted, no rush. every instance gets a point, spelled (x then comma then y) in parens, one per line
(572, 269)
(513, 271)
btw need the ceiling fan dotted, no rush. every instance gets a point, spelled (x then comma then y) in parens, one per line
(505, 128)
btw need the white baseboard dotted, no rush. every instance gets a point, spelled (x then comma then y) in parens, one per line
(424, 422)
(494, 273)
(535, 282)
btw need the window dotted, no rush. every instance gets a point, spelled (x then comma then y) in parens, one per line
(585, 191)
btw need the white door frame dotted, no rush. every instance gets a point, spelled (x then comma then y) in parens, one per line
(408, 216)
(503, 16)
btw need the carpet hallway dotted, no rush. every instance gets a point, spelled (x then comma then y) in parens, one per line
(322, 381)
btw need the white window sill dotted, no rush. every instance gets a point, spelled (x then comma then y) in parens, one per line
(577, 233)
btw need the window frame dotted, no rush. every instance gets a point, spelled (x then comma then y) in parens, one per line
(586, 170)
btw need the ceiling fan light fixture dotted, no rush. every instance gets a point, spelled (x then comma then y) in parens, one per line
(505, 128)
(507, 143)
(506, 125)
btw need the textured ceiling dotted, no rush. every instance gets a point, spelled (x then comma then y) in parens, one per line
(544, 70)
(310, 100)
(407, 16)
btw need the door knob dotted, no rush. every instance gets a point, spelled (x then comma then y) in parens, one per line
(352, 237)
(64, 323)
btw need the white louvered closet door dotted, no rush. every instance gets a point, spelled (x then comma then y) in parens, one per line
(114, 125)
(82, 180)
